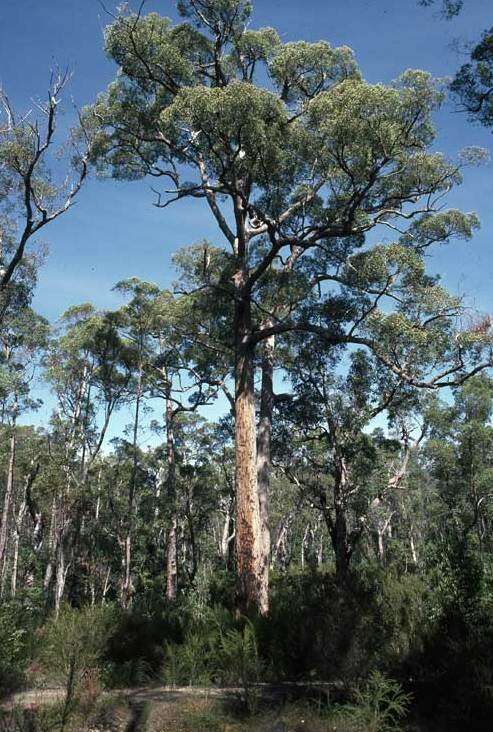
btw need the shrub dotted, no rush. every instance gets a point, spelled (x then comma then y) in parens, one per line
(216, 648)
(240, 662)
(195, 660)
(13, 647)
(381, 705)
(72, 648)
(318, 629)
(136, 649)
(191, 662)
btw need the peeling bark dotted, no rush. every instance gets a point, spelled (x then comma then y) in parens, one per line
(264, 464)
(252, 593)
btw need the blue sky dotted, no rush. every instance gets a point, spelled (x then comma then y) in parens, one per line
(114, 232)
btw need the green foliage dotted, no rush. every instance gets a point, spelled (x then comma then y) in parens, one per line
(216, 648)
(135, 649)
(240, 119)
(14, 647)
(473, 82)
(240, 662)
(73, 645)
(380, 498)
(195, 660)
(192, 662)
(381, 705)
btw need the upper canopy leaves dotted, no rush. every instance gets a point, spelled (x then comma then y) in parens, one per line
(302, 70)
(298, 158)
(473, 83)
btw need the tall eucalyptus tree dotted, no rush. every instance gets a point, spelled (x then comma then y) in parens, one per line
(295, 155)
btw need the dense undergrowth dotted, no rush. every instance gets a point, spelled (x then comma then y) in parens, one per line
(387, 641)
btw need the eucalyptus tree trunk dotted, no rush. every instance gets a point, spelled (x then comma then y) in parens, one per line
(252, 592)
(380, 545)
(62, 568)
(384, 529)
(279, 543)
(127, 563)
(264, 452)
(7, 500)
(340, 542)
(17, 534)
(48, 575)
(338, 525)
(171, 544)
(106, 585)
(227, 537)
(126, 591)
(412, 545)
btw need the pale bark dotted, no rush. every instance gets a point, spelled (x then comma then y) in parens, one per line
(127, 585)
(226, 535)
(51, 555)
(127, 577)
(380, 546)
(106, 585)
(320, 552)
(171, 544)
(279, 544)
(384, 528)
(252, 594)
(61, 574)
(7, 500)
(264, 465)
(414, 553)
(17, 533)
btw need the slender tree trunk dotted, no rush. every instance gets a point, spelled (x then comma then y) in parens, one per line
(127, 554)
(384, 528)
(320, 552)
(48, 576)
(194, 552)
(264, 453)
(281, 532)
(17, 534)
(160, 478)
(7, 500)
(252, 593)
(226, 536)
(414, 553)
(380, 546)
(127, 576)
(61, 573)
(106, 585)
(172, 544)
(51, 553)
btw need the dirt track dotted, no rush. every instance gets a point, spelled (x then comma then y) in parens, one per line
(36, 697)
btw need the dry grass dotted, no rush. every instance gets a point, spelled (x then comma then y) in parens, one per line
(203, 715)
(180, 713)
